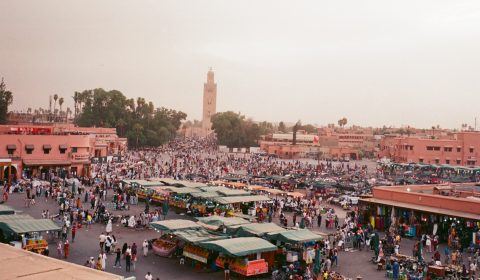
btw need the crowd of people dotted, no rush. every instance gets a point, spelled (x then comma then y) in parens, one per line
(83, 201)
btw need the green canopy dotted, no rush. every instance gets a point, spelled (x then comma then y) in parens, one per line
(239, 247)
(216, 221)
(230, 192)
(29, 225)
(214, 189)
(172, 225)
(254, 229)
(241, 199)
(6, 210)
(291, 236)
(197, 235)
(205, 194)
(16, 217)
(183, 190)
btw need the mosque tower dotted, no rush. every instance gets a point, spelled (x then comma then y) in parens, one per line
(209, 103)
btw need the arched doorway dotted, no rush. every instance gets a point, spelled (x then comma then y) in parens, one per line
(13, 174)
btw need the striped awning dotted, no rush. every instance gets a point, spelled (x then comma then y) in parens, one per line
(62, 147)
(47, 147)
(240, 247)
(29, 147)
(11, 147)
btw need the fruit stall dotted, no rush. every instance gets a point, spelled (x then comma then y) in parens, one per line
(169, 242)
(27, 230)
(245, 255)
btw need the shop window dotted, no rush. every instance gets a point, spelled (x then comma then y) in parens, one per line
(447, 161)
(74, 149)
(29, 149)
(437, 161)
(11, 149)
(62, 148)
(62, 151)
(46, 149)
(459, 162)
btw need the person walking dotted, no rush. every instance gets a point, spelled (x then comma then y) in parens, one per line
(66, 249)
(102, 239)
(128, 262)
(134, 260)
(145, 248)
(118, 254)
(74, 231)
(104, 260)
(148, 276)
(59, 249)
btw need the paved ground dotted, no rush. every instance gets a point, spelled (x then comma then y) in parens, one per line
(351, 264)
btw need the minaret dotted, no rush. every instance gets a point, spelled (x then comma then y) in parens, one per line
(209, 103)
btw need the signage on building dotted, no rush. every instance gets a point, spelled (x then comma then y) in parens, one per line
(81, 157)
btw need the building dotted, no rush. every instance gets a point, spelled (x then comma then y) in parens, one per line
(209, 103)
(29, 150)
(429, 209)
(462, 148)
(328, 144)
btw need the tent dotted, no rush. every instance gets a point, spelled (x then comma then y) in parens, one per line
(28, 225)
(254, 229)
(215, 221)
(205, 194)
(294, 236)
(239, 247)
(6, 210)
(172, 225)
(241, 199)
(197, 235)
(229, 192)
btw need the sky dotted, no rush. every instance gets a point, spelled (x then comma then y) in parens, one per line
(374, 62)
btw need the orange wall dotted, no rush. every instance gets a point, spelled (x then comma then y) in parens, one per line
(401, 195)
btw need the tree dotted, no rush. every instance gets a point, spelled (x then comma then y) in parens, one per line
(60, 103)
(310, 128)
(6, 99)
(282, 128)
(138, 120)
(234, 131)
(342, 122)
(55, 98)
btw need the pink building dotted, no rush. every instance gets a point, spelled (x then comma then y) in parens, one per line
(28, 150)
(462, 148)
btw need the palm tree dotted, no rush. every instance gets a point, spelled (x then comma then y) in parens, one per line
(55, 98)
(60, 102)
(69, 112)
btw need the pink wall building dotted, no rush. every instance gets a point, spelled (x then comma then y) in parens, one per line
(462, 148)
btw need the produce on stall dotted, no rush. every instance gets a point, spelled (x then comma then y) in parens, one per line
(167, 243)
(243, 254)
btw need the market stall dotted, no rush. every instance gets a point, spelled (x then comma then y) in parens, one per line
(245, 255)
(180, 196)
(192, 237)
(169, 242)
(239, 204)
(298, 246)
(215, 222)
(26, 231)
(254, 229)
(6, 210)
(202, 203)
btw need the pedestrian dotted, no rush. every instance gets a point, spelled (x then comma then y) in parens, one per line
(124, 249)
(134, 260)
(104, 260)
(108, 228)
(98, 264)
(128, 261)
(118, 253)
(66, 248)
(102, 239)
(226, 267)
(59, 249)
(74, 231)
(148, 276)
(108, 243)
(145, 248)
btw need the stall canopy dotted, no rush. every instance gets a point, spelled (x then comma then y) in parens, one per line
(6, 210)
(229, 192)
(294, 236)
(215, 221)
(205, 194)
(197, 235)
(182, 190)
(29, 225)
(239, 247)
(295, 194)
(172, 225)
(254, 229)
(4, 218)
(241, 199)
(214, 189)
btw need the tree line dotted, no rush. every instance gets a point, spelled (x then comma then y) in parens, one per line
(137, 120)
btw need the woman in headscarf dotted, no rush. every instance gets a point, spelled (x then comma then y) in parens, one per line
(66, 248)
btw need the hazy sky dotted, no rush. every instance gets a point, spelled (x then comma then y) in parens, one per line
(374, 62)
